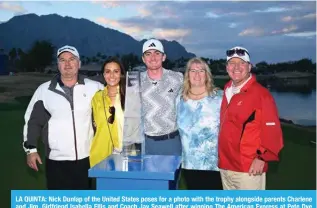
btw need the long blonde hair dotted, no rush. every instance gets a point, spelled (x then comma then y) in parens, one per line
(209, 79)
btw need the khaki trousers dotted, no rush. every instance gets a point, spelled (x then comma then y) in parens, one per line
(232, 180)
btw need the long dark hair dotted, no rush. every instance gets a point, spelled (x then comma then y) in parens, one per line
(122, 79)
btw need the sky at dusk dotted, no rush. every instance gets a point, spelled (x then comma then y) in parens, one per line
(274, 31)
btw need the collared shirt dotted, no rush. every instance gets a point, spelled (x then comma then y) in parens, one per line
(158, 102)
(232, 90)
(69, 90)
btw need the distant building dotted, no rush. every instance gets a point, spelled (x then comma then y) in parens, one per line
(88, 69)
(51, 69)
(139, 68)
(93, 69)
(180, 69)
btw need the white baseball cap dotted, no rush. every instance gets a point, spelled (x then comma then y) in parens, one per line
(153, 44)
(69, 49)
(238, 52)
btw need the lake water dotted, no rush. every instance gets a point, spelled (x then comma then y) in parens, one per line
(300, 108)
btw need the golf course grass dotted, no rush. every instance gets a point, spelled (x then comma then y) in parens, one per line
(295, 171)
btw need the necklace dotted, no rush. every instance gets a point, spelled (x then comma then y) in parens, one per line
(198, 93)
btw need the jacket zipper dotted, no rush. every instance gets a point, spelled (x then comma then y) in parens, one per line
(75, 138)
(74, 127)
(224, 117)
(227, 109)
(225, 113)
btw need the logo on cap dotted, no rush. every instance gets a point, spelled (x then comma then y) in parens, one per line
(152, 45)
(68, 48)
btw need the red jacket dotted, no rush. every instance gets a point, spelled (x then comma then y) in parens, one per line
(249, 128)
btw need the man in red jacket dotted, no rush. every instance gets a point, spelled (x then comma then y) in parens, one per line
(250, 131)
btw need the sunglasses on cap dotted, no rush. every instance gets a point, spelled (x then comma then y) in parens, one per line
(112, 111)
(239, 52)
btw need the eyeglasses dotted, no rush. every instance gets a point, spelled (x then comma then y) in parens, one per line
(239, 52)
(201, 71)
(112, 111)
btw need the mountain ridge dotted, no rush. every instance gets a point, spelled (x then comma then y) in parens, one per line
(88, 37)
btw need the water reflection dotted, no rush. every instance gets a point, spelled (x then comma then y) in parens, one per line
(298, 107)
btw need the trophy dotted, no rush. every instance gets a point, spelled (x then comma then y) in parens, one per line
(133, 134)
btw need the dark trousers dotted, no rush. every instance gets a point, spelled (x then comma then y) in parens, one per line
(202, 179)
(67, 175)
(170, 146)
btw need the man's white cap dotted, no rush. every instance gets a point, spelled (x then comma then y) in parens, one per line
(69, 49)
(245, 58)
(153, 44)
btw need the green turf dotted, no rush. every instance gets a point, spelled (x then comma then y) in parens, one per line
(15, 174)
(220, 82)
(296, 170)
(3, 89)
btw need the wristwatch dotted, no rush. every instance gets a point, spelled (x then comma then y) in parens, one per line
(259, 153)
(29, 151)
(29, 148)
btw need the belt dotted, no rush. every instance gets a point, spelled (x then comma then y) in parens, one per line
(164, 137)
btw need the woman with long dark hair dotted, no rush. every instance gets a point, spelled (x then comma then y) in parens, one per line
(108, 117)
